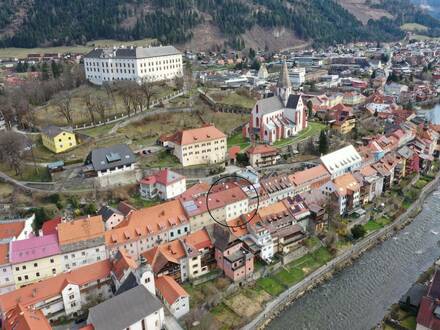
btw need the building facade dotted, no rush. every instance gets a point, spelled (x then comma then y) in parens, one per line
(133, 63)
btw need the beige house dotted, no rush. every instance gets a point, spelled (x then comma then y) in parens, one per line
(203, 145)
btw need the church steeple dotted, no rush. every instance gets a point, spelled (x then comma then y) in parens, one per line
(284, 86)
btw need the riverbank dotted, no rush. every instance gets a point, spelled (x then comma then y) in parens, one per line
(277, 305)
(399, 318)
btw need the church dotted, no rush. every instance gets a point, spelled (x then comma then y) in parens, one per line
(277, 117)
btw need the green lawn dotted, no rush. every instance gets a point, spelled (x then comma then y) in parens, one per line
(372, 226)
(409, 322)
(238, 140)
(289, 277)
(162, 159)
(420, 183)
(270, 285)
(29, 173)
(311, 130)
(240, 100)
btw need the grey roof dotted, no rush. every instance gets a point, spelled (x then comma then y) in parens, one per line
(284, 81)
(107, 211)
(132, 52)
(123, 310)
(270, 104)
(110, 157)
(129, 283)
(53, 131)
(405, 152)
(292, 101)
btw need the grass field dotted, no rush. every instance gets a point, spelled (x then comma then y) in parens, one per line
(48, 113)
(238, 140)
(311, 130)
(233, 98)
(413, 27)
(22, 52)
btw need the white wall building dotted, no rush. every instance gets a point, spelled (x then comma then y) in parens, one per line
(174, 297)
(133, 63)
(164, 184)
(342, 161)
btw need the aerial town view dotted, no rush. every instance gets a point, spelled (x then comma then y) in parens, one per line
(220, 164)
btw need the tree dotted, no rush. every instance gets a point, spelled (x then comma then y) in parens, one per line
(148, 89)
(63, 105)
(90, 107)
(323, 143)
(310, 108)
(11, 147)
(358, 231)
(45, 71)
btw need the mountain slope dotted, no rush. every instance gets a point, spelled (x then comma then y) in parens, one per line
(237, 23)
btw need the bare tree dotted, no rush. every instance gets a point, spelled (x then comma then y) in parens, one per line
(7, 111)
(63, 105)
(90, 107)
(101, 107)
(11, 147)
(148, 89)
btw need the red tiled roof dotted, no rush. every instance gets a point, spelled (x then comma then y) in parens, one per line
(261, 149)
(123, 262)
(11, 229)
(50, 226)
(195, 135)
(233, 151)
(170, 289)
(22, 318)
(4, 253)
(49, 288)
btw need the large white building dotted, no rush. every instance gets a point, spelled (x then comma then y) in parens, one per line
(342, 161)
(133, 63)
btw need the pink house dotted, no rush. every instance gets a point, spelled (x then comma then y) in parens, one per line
(231, 256)
(34, 248)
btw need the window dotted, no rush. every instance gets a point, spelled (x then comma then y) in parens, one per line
(71, 296)
(54, 271)
(147, 280)
(19, 278)
(24, 267)
(35, 264)
(17, 268)
(26, 277)
(83, 253)
(51, 261)
(37, 274)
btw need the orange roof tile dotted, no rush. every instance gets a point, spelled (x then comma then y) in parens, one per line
(315, 173)
(168, 252)
(199, 239)
(22, 318)
(11, 229)
(80, 230)
(233, 151)
(123, 262)
(170, 289)
(195, 135)
(345, 183)
(49, 288)
(261, 149)
(146, 221)
(272, 209)
(4, 253)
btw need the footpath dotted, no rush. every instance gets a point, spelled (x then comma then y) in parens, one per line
(277, 305)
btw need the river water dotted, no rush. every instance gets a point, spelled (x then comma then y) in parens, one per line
(359, 296)
(432, 114)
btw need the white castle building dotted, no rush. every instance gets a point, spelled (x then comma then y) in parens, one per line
(133, 63)
(277, 117)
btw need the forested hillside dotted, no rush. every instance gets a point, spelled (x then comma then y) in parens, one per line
(30, 23)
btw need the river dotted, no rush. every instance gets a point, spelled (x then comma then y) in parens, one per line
(359, 296)
(432, 114)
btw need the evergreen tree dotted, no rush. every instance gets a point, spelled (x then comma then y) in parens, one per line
(323, 143)
(45, 71)
(310, 108)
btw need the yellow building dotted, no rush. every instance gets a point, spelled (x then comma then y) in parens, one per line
(346, 126)
(35, 259)
(57, 139)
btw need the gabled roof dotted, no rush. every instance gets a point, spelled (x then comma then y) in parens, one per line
(23, 318)
(50, 226)
(109, 157)
(309, 175)
(261, 149)
(345, 184)
(147, 221)
(107, 211)
(80, 230)
(123, 262)
(52, 287)
(170, 289)
(195, 135)
(269, 104)
(164, 177)
(10, 229)
(34, 248)
(292, 101)
(52, 131)
(124, 310)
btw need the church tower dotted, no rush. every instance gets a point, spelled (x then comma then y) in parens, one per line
(284, 86)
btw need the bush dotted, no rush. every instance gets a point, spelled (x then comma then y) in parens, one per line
(358, 231)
